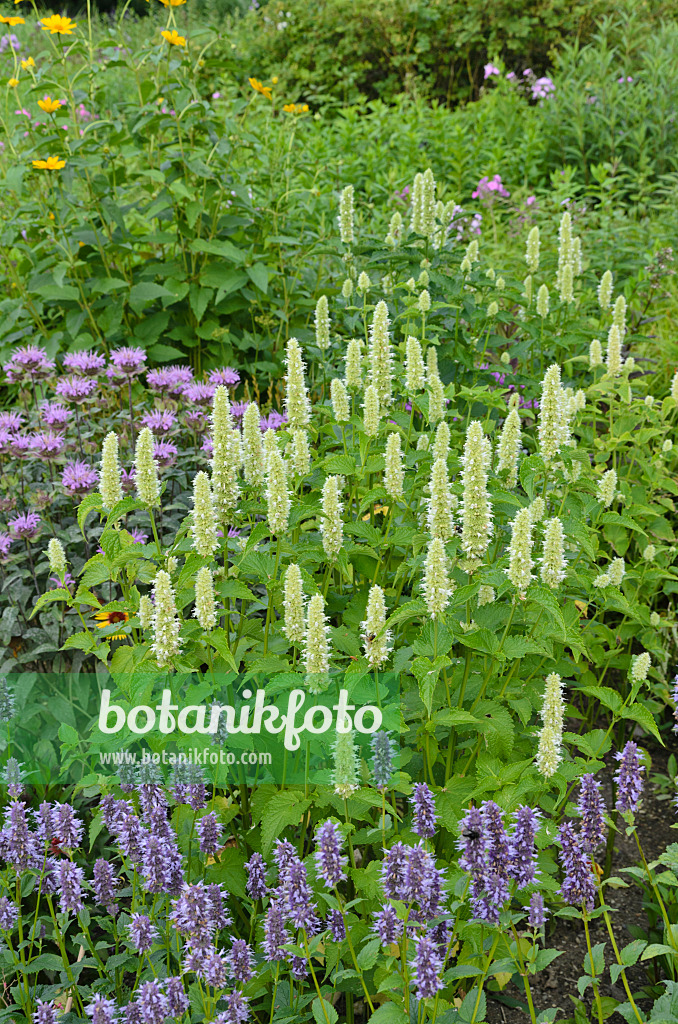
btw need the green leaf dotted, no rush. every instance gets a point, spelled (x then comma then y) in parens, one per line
(90, 503)
(224, 249)
(58, 594)
(259, 274)
(44, 962)
(80, 642)
(324, 1012)
(281, 810)
(657, 949)
(427, 673)
(146, 291)
(219, 641)
(367, 957)
(388, 1013)
(639, 713)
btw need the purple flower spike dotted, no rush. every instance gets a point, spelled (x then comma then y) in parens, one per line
(176, 997)
(382, 759)
(329, 860)
(424, 818)
(592, 810)
(236, 1012)
(9, 915)
(388, 926)
(104, 884)
(142, 933)
(393, 870)
(102, 1010)
(579, 886)
(336, 925)
(522, 856)
(427, 968)
(45, 1013)
(536, 913)
(240, 960)
(153, 1003)
(256, 878)
(209, 834)
(473, 841)
(629, 778)
(275, 932)
(69, 878)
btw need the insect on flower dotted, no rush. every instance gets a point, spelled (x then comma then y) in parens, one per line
(110, 619)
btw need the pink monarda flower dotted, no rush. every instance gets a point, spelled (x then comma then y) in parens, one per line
(226, 376)
(200, 394)
(75, 389)
(10, 420)
(25, 526)
(78, 478)
(159, 421)
(30, 362)
(86, 364)
(171, 380)
(47, 445)
(128, 360)
(54, 415)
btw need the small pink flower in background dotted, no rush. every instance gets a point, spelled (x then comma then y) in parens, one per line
(622, 79)
(490, 70)
(510, 75)
(216, 95)
(487, 188)
(530, 201)
(542, 88)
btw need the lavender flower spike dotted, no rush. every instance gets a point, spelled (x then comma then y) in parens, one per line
(427, 968)
(522, 852)
(329, 860)
(579, 886)
(256, 881)
(424, 818)
(629, 778)
(102, 1010)
(592, 810)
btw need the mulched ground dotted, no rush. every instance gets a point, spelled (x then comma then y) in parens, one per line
(555, 985)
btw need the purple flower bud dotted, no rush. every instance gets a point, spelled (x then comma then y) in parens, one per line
(393, 871)
(209, 834)
(69, 879)
(579, 886)
(336, 925)
(66, 828)
(102, 1010)
(592, 810)
(473, 841)
(153, 1003)
(388, 926)
(104, 885)
(299, 967)
(236, 1012)
(176, 997)
(298, 899)
(275, 932)
(427, 968)
(142, 933)
(330, 863)
(45, 1013)
(382, 759)
(256, 879)
(424, 817)
(240, 959)
(522, 866)
(215, 969)
(629, 778)
(536, 913)
(9, 915)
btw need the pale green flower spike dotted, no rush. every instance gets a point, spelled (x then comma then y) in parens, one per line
(465, 265)
(277, 494)
(490, 274)
(395, 231)
(619, 315)
(566, 284)
(376, 638)
(415, 378)
(595, 354)
(205, 610)
(553, 563)
(431, 362)
(297, 404)
(441, 444)
(508, 450)
(532, 250)
(520, 565)
(322, 324)
(605, 290)
(172, 564)
(110, 486)
(649, 552)
(353, 365)
(345, 777)
(271, 446)
(394, 474)
(57, 558)
(655, 619)
(146, 470)
(537, 509)
(331, 524)
(364, 283)
(301, 453)
(294, 625)
(576, 256)
(553, 425)
(423, 279)
(226, 455)
(145, 611)
(165, 623)
(424, 301)
(649, 401)
(603, 580)
(341, 405)
(316, 645)
(607, 487)
(204, 525)
(424, 203)
(472, 251)
(486, 595)
(501, 284)
(667, 445)
(551, 736)
(629, 364)
(543, 301)
(614, 356)
(527, 289)
(381, 359)
(674, 387)
(371, 411)
(579, 400)
(640, 667)
(437, 586)
(422, 443)
(477, 511)
(492, 309)
(439, 518)
(254, 468)
(346, 215)
(347, 288)
(564, 248)
(616, 571)
(436, 399)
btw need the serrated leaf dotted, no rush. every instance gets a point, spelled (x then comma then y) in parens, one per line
(281, 810)
(640, 714)
(90, 503)
(324, 1012)
(50, 597)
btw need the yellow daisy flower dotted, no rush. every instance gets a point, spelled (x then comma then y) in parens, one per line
(109, 619)
(173, 38)
(13, 20)
(13, 82)
(172, 3)
(58, 24)
(28, 63)
(296, 108)
(49, 105)
(265, 90)
(52, 163)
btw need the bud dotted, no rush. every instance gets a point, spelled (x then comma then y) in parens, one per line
(376, 638)
(532, 250)
(472, 251)
(422, 443)
(381, 370)
(424, 301)
(667, 445)
(607, 486)
(437, 585)
(297, 404)
(605, 290)
(649, 553)
(146, 470)
(423, 203)
(655, 619)
(316, 645)
(510, 443)
(619, 315)
(432, 362)
(57, 558)
(341, 405)
(551, 736)
(501, 284)
(145, 611)
(477, 511)
(423, 279)
(553, 563)
(564, 247)
(371, 411)
(486, 595)
(649, 401)
(395, 230)
(566, 284)
(436, 399)
(441, 444)
(166, 644)
(346, 215)
(353, 363)
(253, 446)
(543, 301)
(640, 666)
(579, 400)
(595, 354)
(527, 289)
(616, 571)
(345, 777)
(300, 453)
(414, 366)
(347, 288)
(205, 611)
(537, 509)
(492, 309)
(294, 626)
(110, 487)
(440, 519)
(322, 324)
(394, 473)
(614, 358)
(519, 570)
(331, 524)
(553, 425)
(364, 282)
(226, 455)
(204, 525)
(674, 387)
(629, 364)
(277, 494)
